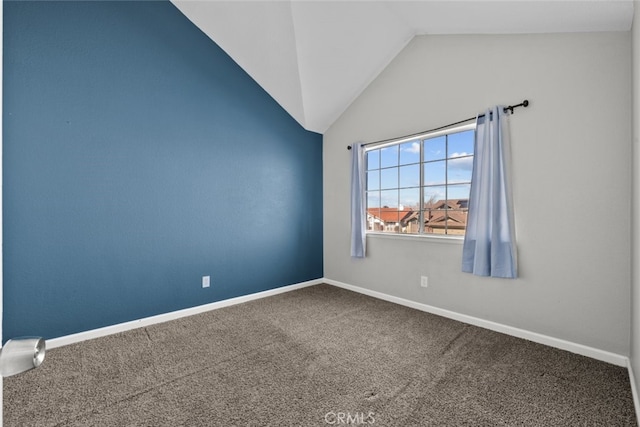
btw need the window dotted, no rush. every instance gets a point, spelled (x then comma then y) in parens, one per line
(421, 185)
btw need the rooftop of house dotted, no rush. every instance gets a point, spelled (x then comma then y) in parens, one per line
(453, 210)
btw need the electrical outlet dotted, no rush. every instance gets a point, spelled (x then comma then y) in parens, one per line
(206, 281)
(424, 281)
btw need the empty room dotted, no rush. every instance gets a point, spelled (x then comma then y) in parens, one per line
(312, 213)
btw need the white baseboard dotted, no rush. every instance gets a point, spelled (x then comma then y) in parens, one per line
(594, 353)
(605, 356)
(127, 326)
(634, 390)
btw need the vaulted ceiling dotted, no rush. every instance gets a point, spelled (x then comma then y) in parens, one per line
(315, 57)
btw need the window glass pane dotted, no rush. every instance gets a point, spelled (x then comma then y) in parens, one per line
(389, 178)
(373, 180)
(459, 170)
(389, 156)
(394, 186)
(435, 173)
(373, 199)
(435, 148)
(374, 223)
(389, 199)
(456, 223)
(373, 159)
(435, 221)
(432, 195)
(408, 220)
(459, 191)
(410, 176)
(411, 223)
(410, 153)
(410, 198)
(391, 216)
(460, 144)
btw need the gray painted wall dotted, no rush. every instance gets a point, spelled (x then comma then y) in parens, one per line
(572, 180)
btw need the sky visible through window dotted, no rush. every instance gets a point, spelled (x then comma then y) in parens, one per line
(394, 172)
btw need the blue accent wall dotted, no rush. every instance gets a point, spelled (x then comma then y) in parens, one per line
(138, 157)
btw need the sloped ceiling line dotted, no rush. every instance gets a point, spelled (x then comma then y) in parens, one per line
(316, 57)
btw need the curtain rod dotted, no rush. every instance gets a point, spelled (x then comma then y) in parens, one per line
(510, 108)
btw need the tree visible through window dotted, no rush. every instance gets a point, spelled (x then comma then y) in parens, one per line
(421, 186)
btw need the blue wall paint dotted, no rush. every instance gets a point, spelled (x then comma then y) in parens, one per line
(139, 157)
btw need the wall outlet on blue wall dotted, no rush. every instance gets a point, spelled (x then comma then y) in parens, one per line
(206, 281)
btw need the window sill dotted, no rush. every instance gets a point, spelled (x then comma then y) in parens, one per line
(455, 240)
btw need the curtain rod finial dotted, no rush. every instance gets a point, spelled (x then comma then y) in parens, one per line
(525, 103)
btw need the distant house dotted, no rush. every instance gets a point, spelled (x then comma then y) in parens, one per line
(441, 217)
(446, 217)
(388, 219)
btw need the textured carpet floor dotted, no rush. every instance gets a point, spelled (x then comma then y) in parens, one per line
(315, 357)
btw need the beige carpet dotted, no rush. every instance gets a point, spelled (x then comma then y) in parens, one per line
(315, 357)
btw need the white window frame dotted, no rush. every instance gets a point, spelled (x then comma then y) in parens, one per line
(421, 137)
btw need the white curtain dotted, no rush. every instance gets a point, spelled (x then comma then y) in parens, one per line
(358, 205)
(489, 243)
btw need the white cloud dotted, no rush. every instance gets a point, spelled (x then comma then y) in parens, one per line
(459, 161)
(414, 149)
(463, 154)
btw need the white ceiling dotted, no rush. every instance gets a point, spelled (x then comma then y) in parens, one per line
(315, 57)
